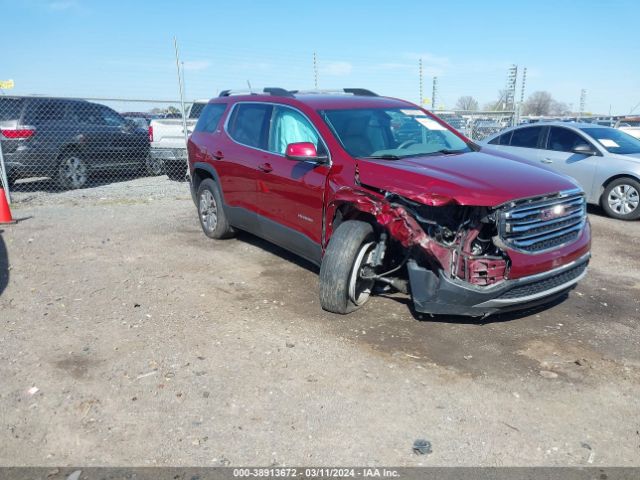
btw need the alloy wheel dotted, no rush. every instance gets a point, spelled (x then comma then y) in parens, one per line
(73, 172)
(208, 211)
(359, 287)
(623, 199)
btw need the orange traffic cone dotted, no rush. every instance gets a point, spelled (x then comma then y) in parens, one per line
(5, 211)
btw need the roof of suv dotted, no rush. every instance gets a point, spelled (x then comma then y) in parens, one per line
(320, 99)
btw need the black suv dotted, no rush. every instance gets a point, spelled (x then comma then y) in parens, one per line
(67, 140)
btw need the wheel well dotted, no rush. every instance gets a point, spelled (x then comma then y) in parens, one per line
(199, 174)
(615, 177)
(346, 211)
(69, 149)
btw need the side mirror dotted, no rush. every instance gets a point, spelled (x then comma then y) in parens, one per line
(303, 151)
(584, 149)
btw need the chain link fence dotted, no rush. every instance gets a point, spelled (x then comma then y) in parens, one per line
(51, 144)
(478, 125)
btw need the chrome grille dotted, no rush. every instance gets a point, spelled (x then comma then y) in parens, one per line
(540, 224)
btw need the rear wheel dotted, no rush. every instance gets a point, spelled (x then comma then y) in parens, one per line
(621, 199)
(72, 172)
(154, 166)
(213, 219)
(343, 287)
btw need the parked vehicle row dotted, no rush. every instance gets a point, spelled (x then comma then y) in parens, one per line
(67, 140)
(168, 144)
(604, 161)
(384, 196)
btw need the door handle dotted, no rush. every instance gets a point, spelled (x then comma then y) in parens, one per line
(218, 155)
(265, 167)
(546, 160)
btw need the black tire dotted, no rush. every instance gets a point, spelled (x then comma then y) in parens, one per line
(176, 171)
(213, 219)
(72, 171)
(621, 199)
(153, 166)
(349, 244)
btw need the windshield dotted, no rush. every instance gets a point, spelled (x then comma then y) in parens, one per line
(391, 133)
(630, 123)
(614, 141)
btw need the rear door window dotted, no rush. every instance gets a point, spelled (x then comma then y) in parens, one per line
(526, 137)
(564, 140)
(210, 117)
(11, 108)
(87, 114)
(111, 117)
(249, 124)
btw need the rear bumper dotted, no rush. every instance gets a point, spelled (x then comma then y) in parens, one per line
(24, 163)
(437, 294)
(169, 154)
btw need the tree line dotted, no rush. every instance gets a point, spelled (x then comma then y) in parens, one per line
(538, 103)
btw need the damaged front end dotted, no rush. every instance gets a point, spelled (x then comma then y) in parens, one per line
(456, 262)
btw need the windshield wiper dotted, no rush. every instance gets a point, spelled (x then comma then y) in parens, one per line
(446, 151)
(386, 156)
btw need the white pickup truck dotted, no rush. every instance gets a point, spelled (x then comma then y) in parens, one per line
(168, 146)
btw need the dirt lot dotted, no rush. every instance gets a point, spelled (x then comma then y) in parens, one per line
(150, 344)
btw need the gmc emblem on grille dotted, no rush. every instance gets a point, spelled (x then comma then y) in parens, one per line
(551, 213)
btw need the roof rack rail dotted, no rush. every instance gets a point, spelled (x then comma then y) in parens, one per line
(362, 92)
(275, 91)
(279, 92)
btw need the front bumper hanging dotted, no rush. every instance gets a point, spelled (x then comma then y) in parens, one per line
(440, 295)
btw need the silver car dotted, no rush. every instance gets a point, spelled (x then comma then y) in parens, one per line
(603, 160)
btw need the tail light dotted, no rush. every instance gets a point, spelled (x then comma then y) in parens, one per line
(150, 133)
(18, 133)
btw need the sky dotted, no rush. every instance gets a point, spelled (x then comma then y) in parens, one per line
(125, 49)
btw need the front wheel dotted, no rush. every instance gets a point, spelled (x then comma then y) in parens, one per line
(621, 199)
(343, 283)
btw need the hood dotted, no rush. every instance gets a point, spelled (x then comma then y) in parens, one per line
(486, 178)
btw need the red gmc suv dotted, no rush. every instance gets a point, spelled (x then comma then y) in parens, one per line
(384, 196)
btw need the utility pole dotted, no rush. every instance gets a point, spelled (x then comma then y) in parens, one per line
(181, 93)
(512, 78)
(524, 82)
(583, 101)
(315, 71)
(434, 93)
(420, 80)
(522, 89)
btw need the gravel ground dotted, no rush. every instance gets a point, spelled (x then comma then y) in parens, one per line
(129, 339)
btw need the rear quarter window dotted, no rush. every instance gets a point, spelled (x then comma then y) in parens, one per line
(210, 117)
(527, 137)
(504, 139)
(46, 111)
(196, 110)
(11, 108)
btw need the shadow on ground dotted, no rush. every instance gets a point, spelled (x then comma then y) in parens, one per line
(4, 265)
(49, 185)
